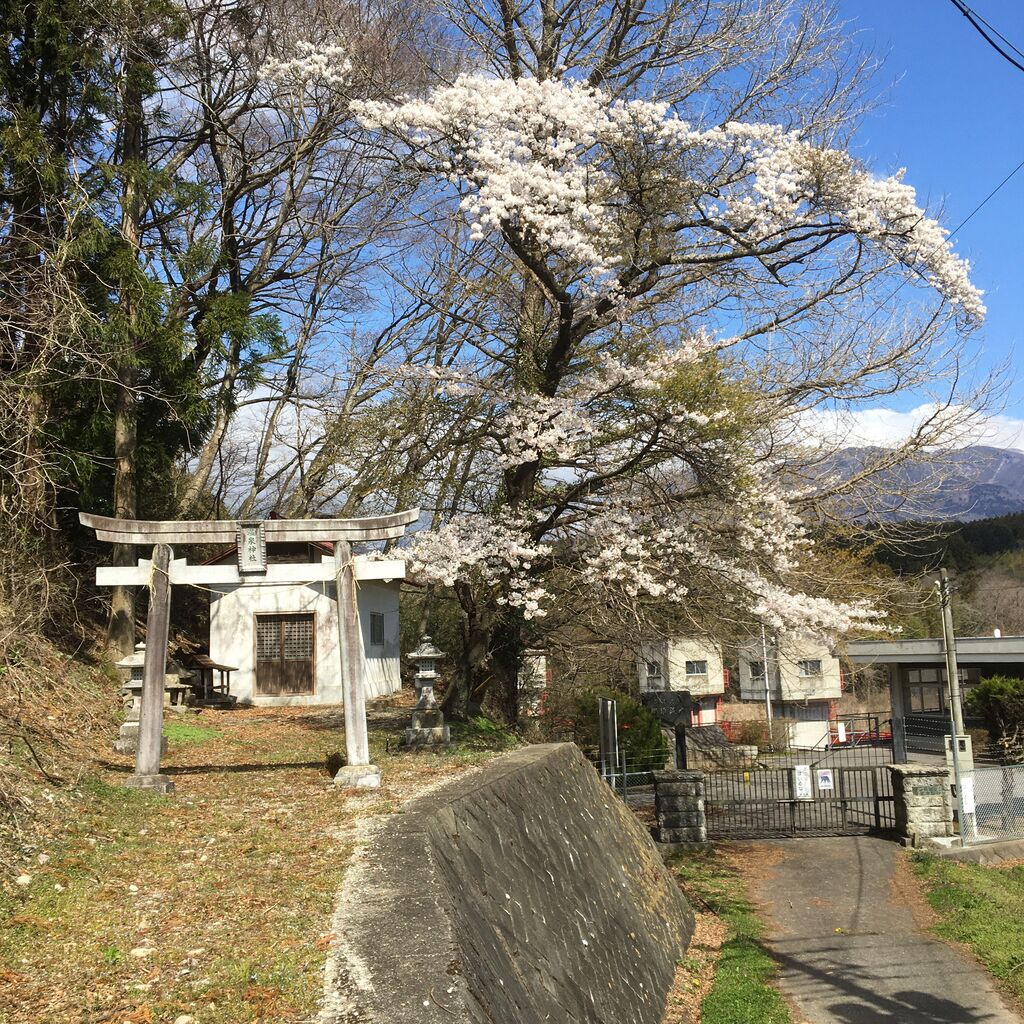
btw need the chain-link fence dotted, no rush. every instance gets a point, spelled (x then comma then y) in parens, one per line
(630, 778)
(998, 801)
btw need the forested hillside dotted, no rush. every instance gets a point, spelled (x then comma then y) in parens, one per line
(986, 557)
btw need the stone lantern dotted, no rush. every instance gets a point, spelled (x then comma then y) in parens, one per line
(427, 728)
(128, 735)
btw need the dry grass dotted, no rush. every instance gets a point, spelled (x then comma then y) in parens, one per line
(695, 974)
(214, 902)
(55, 711)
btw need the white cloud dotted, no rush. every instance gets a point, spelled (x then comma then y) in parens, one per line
(886, 428)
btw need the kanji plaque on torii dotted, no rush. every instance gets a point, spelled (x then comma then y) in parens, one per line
(251, 538)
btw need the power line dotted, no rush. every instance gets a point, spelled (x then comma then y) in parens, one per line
(974, 19)
(980, 25)
(955, 230)
(989, 24)
(991, 195)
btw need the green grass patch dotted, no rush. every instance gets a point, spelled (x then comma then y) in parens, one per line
(481, 733)
(981, 907)
(184, 732)
(741, 992)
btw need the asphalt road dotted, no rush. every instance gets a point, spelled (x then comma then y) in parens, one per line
(842, 928)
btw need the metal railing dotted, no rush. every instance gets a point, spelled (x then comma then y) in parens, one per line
(860, 730)
(630, 778)
(830, 789)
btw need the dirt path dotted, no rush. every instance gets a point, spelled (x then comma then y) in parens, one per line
(846, 927)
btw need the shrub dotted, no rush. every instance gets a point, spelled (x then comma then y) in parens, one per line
(640, 737)
(999, 700)
(755, 733)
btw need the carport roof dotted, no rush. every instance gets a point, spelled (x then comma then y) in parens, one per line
(970, 650)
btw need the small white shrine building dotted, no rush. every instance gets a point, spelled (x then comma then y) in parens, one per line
(303, 618)
(282, 638)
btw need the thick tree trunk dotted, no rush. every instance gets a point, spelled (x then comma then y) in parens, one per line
(462, 698)
(121, 625)
(506, 650)
(196, 487)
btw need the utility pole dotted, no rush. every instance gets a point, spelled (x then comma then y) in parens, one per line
(963, 772)
(767, 685)
(949, 643)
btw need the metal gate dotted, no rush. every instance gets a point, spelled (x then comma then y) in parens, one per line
(833, 791)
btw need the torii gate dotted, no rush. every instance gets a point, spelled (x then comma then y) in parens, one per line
(251, 537)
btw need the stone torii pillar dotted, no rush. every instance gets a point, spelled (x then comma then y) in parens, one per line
(358, 772)
(151, 714)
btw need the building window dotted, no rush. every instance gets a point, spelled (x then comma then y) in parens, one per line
(377, 629)
(925, 697)
(809, 667)
(697, 668)
(757, 671)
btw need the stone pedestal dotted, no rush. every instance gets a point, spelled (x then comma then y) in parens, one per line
(127, 741)
(159, 783)
(358, 776)
(923, 806)
(427, 729)
(679, 807)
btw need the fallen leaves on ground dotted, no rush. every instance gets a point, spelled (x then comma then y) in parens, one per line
(695, 974)
(214, 902)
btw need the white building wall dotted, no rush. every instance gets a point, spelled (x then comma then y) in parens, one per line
(381, 664)
(233, 610)
(533, 682)
(673, 655)
(787, 682)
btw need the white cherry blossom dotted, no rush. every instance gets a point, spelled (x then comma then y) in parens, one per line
(530, 158)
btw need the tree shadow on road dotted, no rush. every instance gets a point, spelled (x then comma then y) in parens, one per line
(860, 1004)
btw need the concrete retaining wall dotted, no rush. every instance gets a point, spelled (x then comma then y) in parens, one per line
(524, 894)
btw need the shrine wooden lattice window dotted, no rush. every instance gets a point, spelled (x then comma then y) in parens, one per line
(285, 654)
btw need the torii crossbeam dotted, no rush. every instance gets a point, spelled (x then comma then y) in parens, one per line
(251, 537)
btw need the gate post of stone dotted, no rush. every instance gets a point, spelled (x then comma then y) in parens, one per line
(921, 802)
(679, 807)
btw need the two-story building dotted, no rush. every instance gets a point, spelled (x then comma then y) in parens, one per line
(686, 663)
(802, 682)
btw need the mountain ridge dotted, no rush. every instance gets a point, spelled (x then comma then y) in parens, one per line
(978, 482)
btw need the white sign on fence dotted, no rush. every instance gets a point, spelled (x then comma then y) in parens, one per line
(841, 731)
(825, 780)
(802, 789)
(967, 793)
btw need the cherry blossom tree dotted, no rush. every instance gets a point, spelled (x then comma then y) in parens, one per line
(624, 423)
(637, 257)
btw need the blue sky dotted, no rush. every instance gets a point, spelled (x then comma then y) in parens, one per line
(953, 115)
